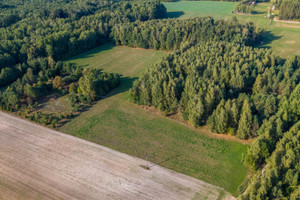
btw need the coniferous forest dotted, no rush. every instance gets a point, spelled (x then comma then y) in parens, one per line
(212, 76)
(37, 35)
(288, 9)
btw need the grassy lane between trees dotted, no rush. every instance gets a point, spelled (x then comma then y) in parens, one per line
(282, 38)
(126, 127)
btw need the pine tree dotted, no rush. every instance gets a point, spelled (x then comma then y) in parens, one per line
(196, 110)
(222, 121)
(245, 123)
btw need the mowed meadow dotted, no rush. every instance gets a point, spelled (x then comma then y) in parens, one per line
(116, 123)
(282, 38)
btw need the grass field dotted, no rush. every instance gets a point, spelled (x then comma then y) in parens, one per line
(284, 39)
(186, 9)
(126, 127)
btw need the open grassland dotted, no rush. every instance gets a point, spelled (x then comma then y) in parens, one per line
(283, 38)
(186, 9)
(40, 163)
(116, 123)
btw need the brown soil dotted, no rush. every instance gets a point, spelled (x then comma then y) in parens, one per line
(286, 21)
(40, 163)
(289, 26)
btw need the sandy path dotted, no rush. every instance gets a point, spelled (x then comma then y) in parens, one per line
(286, 21)
(40, 163)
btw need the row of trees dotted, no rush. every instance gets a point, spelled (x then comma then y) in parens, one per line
(288, 9)
(175, 34)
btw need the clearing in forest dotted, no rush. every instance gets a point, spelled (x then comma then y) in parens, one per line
(118, 124)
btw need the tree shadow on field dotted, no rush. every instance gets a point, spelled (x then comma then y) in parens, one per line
(255, 12)
(92, 52)
(125, 84)
(175, 14)
(148, 167)
(268, 38)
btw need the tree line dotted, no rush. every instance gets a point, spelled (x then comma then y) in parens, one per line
(288, 9)
(173, 34)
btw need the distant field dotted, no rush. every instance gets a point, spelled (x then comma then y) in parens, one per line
(123, 60)
(284, 39)
(126, 127)
(199, 9)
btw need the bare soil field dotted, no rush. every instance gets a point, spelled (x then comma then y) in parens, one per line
(40, 163)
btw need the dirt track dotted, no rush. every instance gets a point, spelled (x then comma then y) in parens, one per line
(39, 163)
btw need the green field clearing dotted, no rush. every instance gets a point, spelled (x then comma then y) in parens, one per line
(283, 38)
(126, 127)
(199, 9)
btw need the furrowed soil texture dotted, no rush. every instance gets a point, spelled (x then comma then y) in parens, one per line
(40, 163)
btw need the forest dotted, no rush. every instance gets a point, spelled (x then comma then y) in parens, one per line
(34, 41)
(213, 76)
(221, 81)
(173, 34)
(238, 90)
(288, 9)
